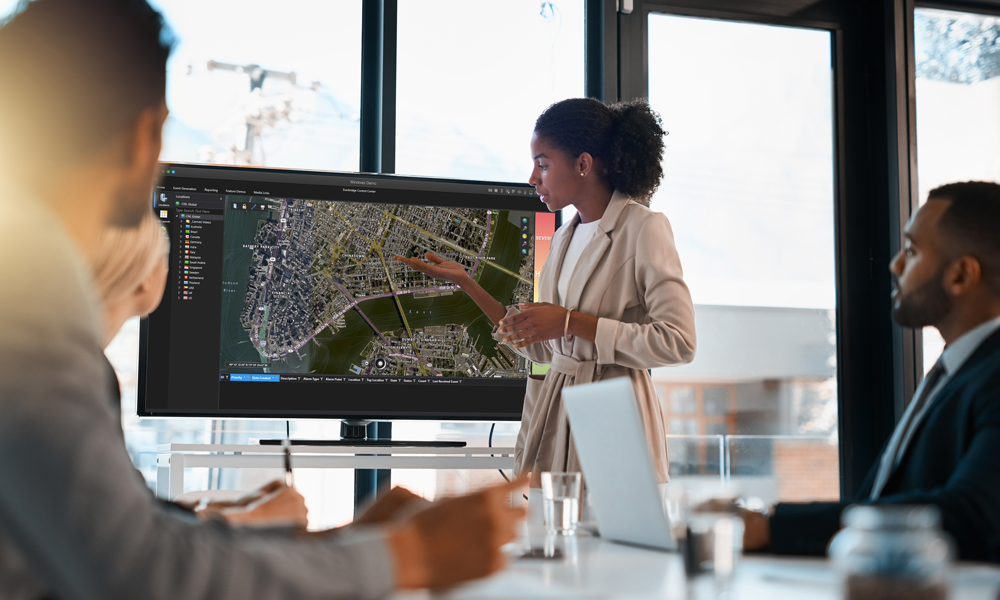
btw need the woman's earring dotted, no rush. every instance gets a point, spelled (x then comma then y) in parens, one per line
(583, 174)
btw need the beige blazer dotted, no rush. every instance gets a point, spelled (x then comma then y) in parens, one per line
(630, 277)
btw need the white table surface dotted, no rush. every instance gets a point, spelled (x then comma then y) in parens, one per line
(602, 569)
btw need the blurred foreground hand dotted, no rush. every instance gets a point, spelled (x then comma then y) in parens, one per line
(456, 539)
(756, 523)
(272, 504)
(397, 502)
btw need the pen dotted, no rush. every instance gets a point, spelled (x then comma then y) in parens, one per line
(289, 478)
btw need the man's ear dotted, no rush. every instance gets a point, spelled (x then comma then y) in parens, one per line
(147, 137)
(963, 276)
(142, 142)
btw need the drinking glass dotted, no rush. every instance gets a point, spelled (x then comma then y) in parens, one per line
(561, 502)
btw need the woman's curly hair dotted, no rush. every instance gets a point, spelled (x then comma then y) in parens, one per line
(625, 137)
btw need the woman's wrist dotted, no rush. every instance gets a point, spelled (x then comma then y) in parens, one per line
(464, 280)
(582, 325)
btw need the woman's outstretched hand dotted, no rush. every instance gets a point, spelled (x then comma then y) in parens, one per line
(450, 270)
(438, 268)
(537, 322)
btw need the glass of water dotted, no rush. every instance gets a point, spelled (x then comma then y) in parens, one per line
(561, 502)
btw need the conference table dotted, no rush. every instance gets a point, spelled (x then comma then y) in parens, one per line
(593, 568)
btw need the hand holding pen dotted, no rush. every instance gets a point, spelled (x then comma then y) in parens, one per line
(289, 477)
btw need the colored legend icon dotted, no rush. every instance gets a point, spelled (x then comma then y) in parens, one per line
(545, 228)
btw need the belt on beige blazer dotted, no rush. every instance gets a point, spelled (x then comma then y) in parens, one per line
(583, 371)
(547, 418)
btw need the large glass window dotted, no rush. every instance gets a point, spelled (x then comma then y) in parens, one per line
(749, 189)
(263, 82)
(958, 108)
(473, 77)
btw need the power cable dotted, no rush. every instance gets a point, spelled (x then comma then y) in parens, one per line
(489, 444)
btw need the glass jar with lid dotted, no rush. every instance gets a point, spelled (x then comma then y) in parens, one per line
(890, 552)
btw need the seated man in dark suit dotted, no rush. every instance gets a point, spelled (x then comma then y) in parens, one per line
(945, 450)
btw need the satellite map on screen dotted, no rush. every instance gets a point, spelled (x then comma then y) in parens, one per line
(311, 287)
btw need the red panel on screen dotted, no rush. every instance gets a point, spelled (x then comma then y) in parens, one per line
(545, 227)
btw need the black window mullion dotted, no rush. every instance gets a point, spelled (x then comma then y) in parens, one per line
(633, 70)
(378, 155)
(390, 15)
(601, 50)
(375, 14)
(909, 342)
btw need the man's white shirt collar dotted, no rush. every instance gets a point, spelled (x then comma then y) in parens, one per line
(959, 351)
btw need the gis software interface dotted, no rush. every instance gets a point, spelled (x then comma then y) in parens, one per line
(284, 297)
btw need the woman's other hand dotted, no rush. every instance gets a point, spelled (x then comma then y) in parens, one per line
(438, 268)
(537, 322)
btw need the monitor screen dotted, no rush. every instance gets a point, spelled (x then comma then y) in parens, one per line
(284, 299)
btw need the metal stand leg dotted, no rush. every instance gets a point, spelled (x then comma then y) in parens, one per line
(364, 479)
(383, 477)
(162, 476)
(175, 476)
(367, 482)
(364, 487)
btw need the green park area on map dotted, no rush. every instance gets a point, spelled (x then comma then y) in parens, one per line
(311, 287)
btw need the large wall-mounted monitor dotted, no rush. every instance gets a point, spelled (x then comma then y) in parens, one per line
(284, 300)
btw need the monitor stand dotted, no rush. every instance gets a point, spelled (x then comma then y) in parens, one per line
(355, 433)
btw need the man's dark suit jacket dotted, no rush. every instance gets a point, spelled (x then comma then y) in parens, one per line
(953, 462)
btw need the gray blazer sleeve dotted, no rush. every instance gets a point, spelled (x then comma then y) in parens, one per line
(70, 503)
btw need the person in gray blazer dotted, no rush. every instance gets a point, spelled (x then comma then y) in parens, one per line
(82, 107)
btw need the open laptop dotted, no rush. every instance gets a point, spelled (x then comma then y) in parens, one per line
(617, 466)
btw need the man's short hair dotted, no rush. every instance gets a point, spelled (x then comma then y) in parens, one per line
(75, 73)
(971, 225)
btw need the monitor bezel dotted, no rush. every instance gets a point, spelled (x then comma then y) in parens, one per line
(141, 409)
